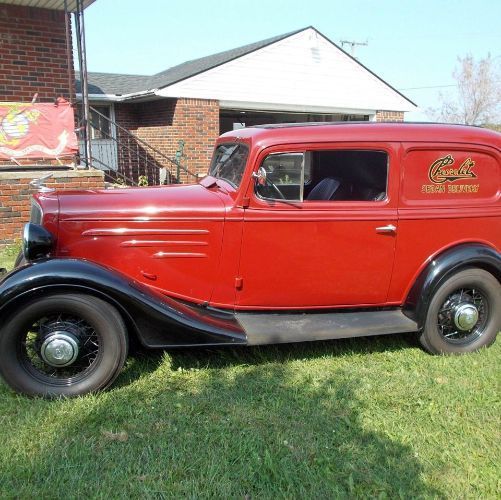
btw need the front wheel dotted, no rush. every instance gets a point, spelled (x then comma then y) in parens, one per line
(62, 345)
(464, 313)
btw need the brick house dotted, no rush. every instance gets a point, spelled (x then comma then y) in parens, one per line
(34, 60)
(298, 76)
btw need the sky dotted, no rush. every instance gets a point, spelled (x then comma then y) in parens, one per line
(413, 45)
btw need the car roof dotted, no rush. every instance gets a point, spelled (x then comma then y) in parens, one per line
(287, 133)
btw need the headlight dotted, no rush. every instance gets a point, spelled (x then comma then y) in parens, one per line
(37, 241)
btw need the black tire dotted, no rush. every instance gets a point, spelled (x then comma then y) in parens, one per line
(441, 334)
(102, 341)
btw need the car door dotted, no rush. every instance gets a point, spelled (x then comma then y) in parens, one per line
(309, 248)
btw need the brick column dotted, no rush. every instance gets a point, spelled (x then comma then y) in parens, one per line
(197, 123)
(33, 54)
(389, 116)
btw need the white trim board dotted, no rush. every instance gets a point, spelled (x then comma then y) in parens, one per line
(292, 108)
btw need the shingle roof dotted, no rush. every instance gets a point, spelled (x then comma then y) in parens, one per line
(119, 84)
(113, 83)
(196, 66)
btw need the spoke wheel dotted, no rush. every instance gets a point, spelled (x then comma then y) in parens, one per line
(60, 348)
(62, 345)
(464, 313)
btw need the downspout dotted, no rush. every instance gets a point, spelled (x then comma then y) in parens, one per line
(82, 63)
(69, 59)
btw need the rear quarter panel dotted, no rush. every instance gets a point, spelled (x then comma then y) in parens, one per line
(450, 194)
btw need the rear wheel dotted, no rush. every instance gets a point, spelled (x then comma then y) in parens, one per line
(464, 313)
(62, 345)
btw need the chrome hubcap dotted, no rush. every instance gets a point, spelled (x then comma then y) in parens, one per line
(465, 316)
(59, 349)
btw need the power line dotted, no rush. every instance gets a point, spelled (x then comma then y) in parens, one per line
(429, 87)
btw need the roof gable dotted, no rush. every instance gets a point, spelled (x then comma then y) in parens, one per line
(304, 71)
(301, 69)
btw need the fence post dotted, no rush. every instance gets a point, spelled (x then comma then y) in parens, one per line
(179, 157)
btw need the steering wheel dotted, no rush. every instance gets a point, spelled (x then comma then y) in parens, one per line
(275, 188)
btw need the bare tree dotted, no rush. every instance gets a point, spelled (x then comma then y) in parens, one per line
(477, 100)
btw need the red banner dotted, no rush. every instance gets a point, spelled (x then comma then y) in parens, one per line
(37, 130)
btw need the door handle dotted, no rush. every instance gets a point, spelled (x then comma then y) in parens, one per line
(390, 228)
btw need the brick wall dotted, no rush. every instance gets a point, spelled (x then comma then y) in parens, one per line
(163, 123)
(33, 54)
(15, 194)
(389, 116)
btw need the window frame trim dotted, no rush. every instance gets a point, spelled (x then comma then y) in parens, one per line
(391, 148)
(387, 187)
(301, 187)
(235, 143)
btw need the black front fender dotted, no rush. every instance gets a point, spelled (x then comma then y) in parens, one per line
(158, 320)
(442, 267)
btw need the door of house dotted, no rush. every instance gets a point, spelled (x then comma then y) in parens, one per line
(103, 138)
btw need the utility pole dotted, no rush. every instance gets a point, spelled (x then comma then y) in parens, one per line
(353, 45)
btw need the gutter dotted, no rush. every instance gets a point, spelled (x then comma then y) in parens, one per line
(121, 97)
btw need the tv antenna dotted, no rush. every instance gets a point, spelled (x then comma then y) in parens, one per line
(353, 45)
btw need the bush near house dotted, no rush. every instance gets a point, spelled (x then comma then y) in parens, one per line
(363, 417)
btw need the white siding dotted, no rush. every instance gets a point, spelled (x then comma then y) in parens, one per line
(304, 71)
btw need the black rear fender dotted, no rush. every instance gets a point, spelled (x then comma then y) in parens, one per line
(441, 268)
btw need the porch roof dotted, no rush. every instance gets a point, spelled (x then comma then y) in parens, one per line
(49, 4)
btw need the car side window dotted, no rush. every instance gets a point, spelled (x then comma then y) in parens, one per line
(348, 175)
(326, 175)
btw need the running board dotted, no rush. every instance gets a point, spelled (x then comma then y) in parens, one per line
(273, 328)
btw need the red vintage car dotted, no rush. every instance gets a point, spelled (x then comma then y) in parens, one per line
(298, 232)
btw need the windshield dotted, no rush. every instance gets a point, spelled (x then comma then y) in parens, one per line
(228, 163)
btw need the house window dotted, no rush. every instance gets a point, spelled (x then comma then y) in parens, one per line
(100, 122)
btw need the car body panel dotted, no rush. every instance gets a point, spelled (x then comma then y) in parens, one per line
(321, 253)
(166, 237)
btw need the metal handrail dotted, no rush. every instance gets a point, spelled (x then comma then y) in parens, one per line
(143, 143)
(118, 174)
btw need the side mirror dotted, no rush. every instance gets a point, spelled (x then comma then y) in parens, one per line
(260, 176)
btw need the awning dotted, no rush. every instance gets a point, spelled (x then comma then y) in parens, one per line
(49, 4)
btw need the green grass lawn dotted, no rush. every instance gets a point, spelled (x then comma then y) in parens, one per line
(8, 256)
(372, 417)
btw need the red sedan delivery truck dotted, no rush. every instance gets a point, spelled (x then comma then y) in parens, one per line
(298, 232)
